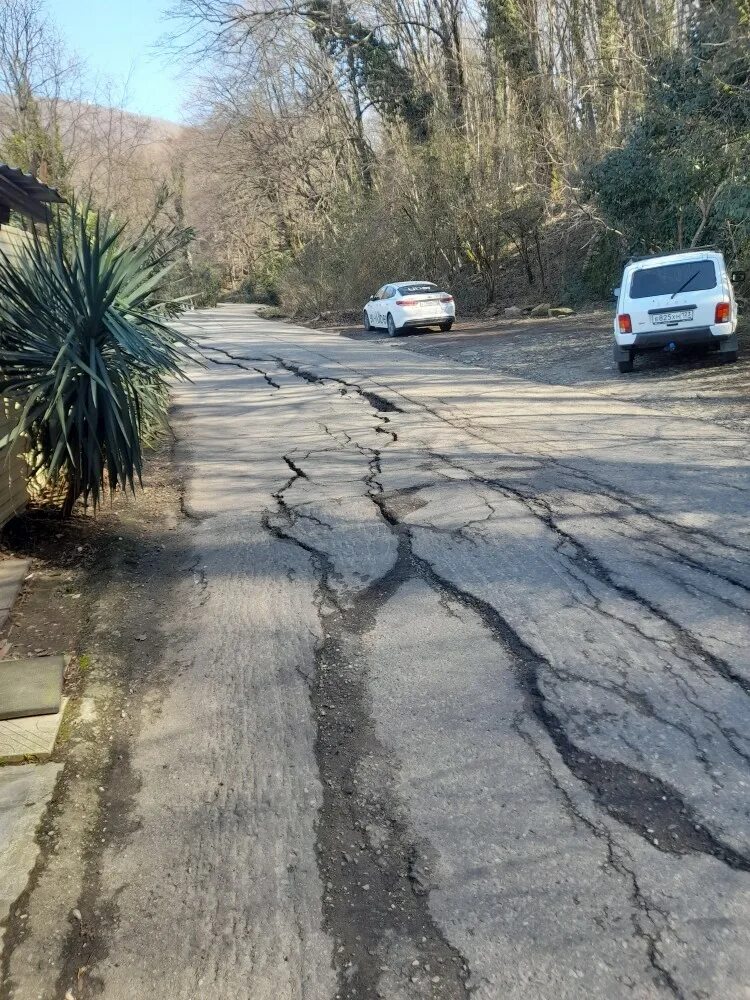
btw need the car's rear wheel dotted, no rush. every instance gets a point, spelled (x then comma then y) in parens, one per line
(445, 327)
(392, 329)
(366, 321)
(625, 366)
(727, 357)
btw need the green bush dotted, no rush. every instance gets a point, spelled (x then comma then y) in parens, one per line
(681, 177)
(260, 288)
(86, 350)
(203, 286)
(603, 268)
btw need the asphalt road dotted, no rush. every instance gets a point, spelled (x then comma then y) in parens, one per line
(462, 706)
(576, 351)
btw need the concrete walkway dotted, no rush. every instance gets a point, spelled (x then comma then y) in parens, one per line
(26, 790)
(12, 574)
(24, 793)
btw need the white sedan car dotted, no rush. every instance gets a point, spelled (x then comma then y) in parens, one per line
(406, 304)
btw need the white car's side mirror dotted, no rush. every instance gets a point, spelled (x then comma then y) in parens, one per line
(615, 294)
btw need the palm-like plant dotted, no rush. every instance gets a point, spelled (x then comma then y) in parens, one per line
(85, 350)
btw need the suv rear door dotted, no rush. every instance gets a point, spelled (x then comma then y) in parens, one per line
(675, 295)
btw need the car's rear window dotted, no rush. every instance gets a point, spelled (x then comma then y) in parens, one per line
(691, 276)
(417, 288)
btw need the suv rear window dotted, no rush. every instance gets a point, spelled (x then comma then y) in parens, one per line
(671, 278)
(418, 288)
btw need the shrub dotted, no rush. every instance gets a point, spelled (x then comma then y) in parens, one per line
(260, 288)
(86, 350)
(681, 177)
(203, 286)
(602, 270)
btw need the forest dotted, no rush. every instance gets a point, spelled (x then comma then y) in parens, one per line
(513, 150)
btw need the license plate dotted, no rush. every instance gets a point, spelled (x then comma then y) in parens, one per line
(673, 317)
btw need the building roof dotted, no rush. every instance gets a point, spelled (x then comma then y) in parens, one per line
(26, 194)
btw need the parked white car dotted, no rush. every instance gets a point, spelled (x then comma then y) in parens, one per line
(409, 304)
(676, 300)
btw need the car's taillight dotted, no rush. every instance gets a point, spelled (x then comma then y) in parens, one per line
(446, 298)
(623, 321)
(406, 302)
(723, 312)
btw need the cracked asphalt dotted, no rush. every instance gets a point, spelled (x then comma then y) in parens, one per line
(462, 706)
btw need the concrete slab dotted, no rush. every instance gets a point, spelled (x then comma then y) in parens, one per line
(12, 574)
(31, 687)
(24, 793)
(31, 738)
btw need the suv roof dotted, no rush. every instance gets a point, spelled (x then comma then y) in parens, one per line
(703, 253)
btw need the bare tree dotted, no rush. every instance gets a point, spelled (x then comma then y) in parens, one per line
(37, 76)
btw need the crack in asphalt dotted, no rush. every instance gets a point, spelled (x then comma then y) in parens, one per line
(593, 566)
(648, 806)
(694, 655)
(695, 535)
(692, 535)
(370, 896)
(644, 803)
(236, 362)
(664, 568)
(379, 403)
(268, 378)
(682, 558)
(617, 860)
(605, 489)
(643, 706)
(298, 472)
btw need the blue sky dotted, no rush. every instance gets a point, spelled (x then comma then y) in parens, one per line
(116, 38)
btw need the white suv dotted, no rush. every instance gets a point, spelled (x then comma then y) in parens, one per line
(676, 300)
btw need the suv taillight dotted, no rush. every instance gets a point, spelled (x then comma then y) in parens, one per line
(446, 298)
(623, 321)
(723, 312)
(406, 302)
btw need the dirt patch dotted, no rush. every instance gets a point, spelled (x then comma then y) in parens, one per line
(48, 614)
(98, 591)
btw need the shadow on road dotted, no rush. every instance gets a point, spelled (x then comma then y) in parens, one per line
(577, 350)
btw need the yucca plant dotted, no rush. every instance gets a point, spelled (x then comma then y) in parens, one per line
(85, 350)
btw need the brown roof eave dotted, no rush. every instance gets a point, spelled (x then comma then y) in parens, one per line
(26, 194)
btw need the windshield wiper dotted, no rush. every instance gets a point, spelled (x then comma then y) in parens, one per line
(684, 286)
